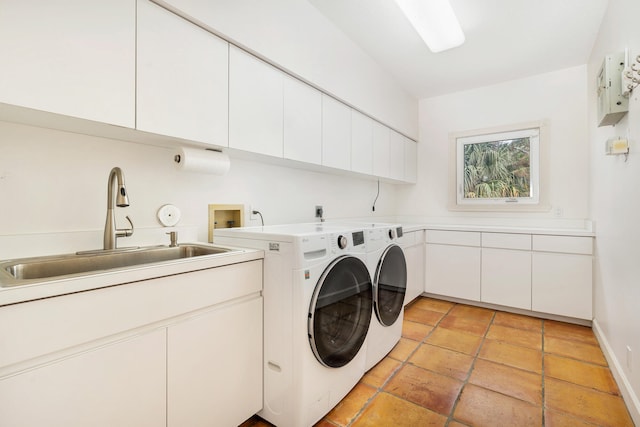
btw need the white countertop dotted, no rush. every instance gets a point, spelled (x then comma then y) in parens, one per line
(408, 227)
(12, 294)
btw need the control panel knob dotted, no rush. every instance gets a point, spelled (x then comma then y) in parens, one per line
(392, 234)
(342, 242)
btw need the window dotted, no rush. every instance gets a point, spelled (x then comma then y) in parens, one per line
(498, 169)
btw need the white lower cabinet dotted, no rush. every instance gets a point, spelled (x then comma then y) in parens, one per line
(562, 284)
(506, 277)
(548, 274)
(119, 384)
(412, 244)
(214, 365)
(453, 271)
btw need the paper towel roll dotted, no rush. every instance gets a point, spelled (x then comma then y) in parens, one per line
(202, 161)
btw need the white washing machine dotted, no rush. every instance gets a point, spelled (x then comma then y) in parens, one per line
(388, 269)
(318, 302)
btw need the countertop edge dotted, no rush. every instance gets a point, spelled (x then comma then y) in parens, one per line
(499, 229)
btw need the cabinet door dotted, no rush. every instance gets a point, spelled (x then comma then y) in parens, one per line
(396, 155)
(562, 284)
(415, 272)
(71, 57)
(361, 143)
(255, 104)
(214, 366)
(302, 122)
(453, 271)
(506, 277)
(336, 134)
(410, 161)
(121, 384)
(381, 150)
(182, 78)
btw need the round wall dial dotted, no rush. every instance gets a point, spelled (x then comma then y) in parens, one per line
(168, 215)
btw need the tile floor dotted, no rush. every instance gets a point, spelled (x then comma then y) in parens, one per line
(458, 365)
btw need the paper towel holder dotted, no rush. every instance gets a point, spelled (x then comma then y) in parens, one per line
(177, 158)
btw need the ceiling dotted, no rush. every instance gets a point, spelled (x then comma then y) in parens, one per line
(505, 40)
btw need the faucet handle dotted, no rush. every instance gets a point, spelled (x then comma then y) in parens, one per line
(125, 232)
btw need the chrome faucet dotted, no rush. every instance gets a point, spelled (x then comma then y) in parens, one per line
(111, 233)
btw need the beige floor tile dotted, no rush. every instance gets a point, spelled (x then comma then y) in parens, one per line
(465, 324)
(480, 407)
(468, 311)
(518, 321)
(530, 339)
(388, 410)
(426, 317)
(425, 388)
(559, 419)
(581, 373)
(512, 355)
(570, 332)
(379, 374)
(504, 379)
(575, 350)
(433, 304)
(347, 409)
(325, 423)
(403, 349)
(443, 361)
(586, 404)
(415, 331)
(455, 340)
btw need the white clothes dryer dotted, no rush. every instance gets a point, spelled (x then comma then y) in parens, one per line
(388, 269)
(318, 305)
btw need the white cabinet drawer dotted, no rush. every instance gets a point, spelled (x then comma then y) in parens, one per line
(506, 241)
(461, 238)
(563, 244)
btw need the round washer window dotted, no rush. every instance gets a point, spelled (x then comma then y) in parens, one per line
(340, 312)
(390, 285)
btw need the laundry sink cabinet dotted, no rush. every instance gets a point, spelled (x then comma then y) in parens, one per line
(171, 351)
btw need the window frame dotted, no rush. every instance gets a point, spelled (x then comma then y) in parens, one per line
(538, 165)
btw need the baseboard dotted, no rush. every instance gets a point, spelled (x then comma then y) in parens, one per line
(629, 396)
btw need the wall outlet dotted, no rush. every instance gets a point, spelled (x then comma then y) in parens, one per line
(557, 212)
(629, 358)
(319, 211)
(251, 214)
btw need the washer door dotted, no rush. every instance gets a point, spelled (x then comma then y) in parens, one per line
(390, 285)
(340, 311)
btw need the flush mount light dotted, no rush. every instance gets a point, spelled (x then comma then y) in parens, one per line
(435, 21)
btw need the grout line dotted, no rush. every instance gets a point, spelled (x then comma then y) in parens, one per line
(450, 418)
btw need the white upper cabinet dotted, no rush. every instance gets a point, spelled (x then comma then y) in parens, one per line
(255, 104)
(71, 57)
(381, 150)
(302, 122)
(361, 143)
(396, 155)
(410, 161)
(336, 134)
(182, 78)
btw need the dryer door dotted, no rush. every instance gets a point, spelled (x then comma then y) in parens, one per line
(340, 311)
(390, 285)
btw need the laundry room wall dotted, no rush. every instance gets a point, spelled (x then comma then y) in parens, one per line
(558, 98)
(53, 187)
(615, 203)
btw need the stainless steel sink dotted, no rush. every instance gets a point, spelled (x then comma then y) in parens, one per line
(84, 263)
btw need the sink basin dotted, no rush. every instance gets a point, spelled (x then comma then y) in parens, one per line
(49, 267)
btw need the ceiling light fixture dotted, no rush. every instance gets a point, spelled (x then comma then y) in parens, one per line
(435, 21)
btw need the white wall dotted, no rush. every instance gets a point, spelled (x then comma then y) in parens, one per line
(558, 97)
(53, 187)
(296, 36)
(615, 204)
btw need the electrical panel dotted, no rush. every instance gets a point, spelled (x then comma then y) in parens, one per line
(612, 106)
